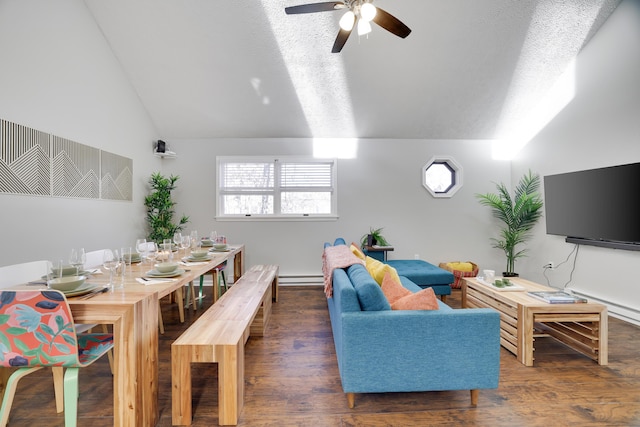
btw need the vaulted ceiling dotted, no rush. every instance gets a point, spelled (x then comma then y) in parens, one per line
(470, 69)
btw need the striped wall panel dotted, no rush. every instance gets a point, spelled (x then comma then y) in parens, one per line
(37, 163)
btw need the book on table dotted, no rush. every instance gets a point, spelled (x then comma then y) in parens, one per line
(557, 297)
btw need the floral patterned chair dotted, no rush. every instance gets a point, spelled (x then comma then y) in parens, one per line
(36, 331)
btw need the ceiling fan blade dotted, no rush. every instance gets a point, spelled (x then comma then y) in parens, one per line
(315, 7)
(391, 23)
(343, 35)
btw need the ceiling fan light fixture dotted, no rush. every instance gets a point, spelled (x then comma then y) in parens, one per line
(368, 12)
(363, 27)
(347, 21)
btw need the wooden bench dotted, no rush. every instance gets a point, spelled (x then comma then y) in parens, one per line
(218, 336)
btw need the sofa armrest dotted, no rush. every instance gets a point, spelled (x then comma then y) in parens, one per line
(420, 350)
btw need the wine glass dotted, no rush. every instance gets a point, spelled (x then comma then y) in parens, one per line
(152, 251)
(177, 239)
(110, 261)
(141, 248)
(185, 244)
(77, 258)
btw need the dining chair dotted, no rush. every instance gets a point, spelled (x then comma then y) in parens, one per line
(222, 282)
(17, 274)
(36, 331)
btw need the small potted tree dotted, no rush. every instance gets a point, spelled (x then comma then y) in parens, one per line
(160, 208)
(374, 237)
(518, 213)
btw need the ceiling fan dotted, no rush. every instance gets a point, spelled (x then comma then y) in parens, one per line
(361, 12)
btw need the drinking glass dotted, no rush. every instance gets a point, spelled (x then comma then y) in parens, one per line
(167, 253)
(185, 244)
(194, 239)
(77, 258)
(213, 236)
(110, 261)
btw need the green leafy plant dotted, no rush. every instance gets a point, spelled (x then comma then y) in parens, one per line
(160, 210)
(518, 213)
(378, 238)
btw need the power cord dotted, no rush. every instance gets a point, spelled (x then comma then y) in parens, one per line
(546, 267)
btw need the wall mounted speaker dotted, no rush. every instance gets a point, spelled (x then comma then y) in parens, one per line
(161, 147)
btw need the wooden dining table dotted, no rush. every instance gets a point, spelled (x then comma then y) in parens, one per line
(132, 310)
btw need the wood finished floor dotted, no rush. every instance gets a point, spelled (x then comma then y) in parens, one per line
(292, 380)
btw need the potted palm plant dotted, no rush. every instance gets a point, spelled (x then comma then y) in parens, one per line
(160, 208)
(518, 213)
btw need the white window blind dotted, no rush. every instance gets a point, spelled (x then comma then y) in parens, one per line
(280, 187)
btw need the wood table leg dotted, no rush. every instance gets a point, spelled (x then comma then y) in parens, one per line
(230, 382)
(181, 385)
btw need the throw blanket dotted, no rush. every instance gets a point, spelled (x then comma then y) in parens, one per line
(333, 257)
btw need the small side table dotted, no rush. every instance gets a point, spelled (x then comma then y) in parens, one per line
(378, 252)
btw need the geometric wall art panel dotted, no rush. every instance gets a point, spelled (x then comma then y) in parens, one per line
(117, 177)
(75, 169)
(33, 162)
(24, 160)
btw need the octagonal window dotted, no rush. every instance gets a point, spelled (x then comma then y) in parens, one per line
(442, 176)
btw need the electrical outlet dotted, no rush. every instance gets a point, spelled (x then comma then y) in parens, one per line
(550, 265)
(416, 256)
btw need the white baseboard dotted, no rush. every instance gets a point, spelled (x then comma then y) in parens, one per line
(617, 310)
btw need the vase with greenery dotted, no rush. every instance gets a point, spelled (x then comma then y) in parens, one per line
(519, 214)
(160, 208)
(376, 238)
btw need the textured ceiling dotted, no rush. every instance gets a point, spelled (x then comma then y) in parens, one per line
(472, 69)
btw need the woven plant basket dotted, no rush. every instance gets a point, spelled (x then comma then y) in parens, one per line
(457, 274)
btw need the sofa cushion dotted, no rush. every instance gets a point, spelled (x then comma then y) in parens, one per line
(357, 252)
(378, 269)
(421, 272)
(423, 300)
(368, 291)
(393, 289)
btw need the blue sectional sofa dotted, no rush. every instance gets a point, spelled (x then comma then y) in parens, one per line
(422, 273)
(383, 350)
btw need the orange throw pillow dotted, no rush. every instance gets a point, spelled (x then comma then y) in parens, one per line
(392, 289)
(422, 300)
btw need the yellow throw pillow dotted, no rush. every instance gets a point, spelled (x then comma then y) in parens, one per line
(461, 266)
(357, 252)
(377, 270)
(422, 300)
(392, 289)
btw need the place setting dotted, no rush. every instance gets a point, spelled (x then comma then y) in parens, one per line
(161, 273)
(71, 283)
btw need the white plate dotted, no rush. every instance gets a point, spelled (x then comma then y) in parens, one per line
(194, 259)
(156, 273)
(83, 289)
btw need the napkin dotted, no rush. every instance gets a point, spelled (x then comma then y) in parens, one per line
(192, 263)
(152, 281)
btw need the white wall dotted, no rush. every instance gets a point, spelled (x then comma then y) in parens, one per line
(382, 187)
(58, 75)
(601, 127)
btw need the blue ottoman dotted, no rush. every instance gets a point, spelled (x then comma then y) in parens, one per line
(424, 274)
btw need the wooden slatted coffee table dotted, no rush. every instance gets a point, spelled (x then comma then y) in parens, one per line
(582, 326)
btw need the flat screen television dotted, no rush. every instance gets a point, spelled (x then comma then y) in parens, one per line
(597, 207)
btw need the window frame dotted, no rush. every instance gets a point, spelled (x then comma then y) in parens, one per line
(453, 166)
(277, 189)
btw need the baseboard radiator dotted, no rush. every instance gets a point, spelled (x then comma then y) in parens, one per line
(617, 310)
(286, 280)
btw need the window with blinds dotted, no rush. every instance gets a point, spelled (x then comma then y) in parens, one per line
(261, 187)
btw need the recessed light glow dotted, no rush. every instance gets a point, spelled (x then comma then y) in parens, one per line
(335, 148)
